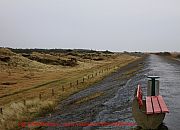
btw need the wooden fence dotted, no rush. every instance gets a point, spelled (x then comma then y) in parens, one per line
(74, 84)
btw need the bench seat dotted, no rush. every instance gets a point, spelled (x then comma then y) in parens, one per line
(155, 105)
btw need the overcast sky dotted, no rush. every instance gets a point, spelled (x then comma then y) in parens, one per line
(116, 25)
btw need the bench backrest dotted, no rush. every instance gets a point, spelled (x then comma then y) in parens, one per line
(139, 96)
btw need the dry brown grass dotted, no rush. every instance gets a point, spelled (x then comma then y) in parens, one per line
(19, 112)
(30, 78)
(175, 55)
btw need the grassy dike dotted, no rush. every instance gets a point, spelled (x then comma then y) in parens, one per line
(43, 98)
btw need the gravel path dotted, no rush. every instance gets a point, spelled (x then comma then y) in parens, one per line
(114, 105)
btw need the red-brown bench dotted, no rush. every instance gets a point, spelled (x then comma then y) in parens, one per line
(154, 104)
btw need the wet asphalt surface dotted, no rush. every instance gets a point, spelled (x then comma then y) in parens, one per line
(169, 72)
(114, 105)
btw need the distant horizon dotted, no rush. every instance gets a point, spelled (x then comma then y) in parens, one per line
(92, 49)
(127, 25)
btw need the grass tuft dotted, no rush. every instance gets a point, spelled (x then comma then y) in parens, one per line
(20, 112)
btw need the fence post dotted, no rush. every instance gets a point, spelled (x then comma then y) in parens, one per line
(62, 87)
(77, 82)
(83, 79)
(88, 76)
(24, 101)
(1, 110)
(40, 96)
(52, 92)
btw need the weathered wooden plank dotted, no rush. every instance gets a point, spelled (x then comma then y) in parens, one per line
(155, 103)
(162, 104)
(149, 108)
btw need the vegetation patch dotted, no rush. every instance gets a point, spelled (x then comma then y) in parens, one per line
(4, 58)
(178, 56)
(53, 60)
(164, 53)
(21, 112)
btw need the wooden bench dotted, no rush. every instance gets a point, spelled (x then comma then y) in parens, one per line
(154, 104)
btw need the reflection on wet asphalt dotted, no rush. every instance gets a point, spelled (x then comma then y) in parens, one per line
(169, 71)
(115, 104)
